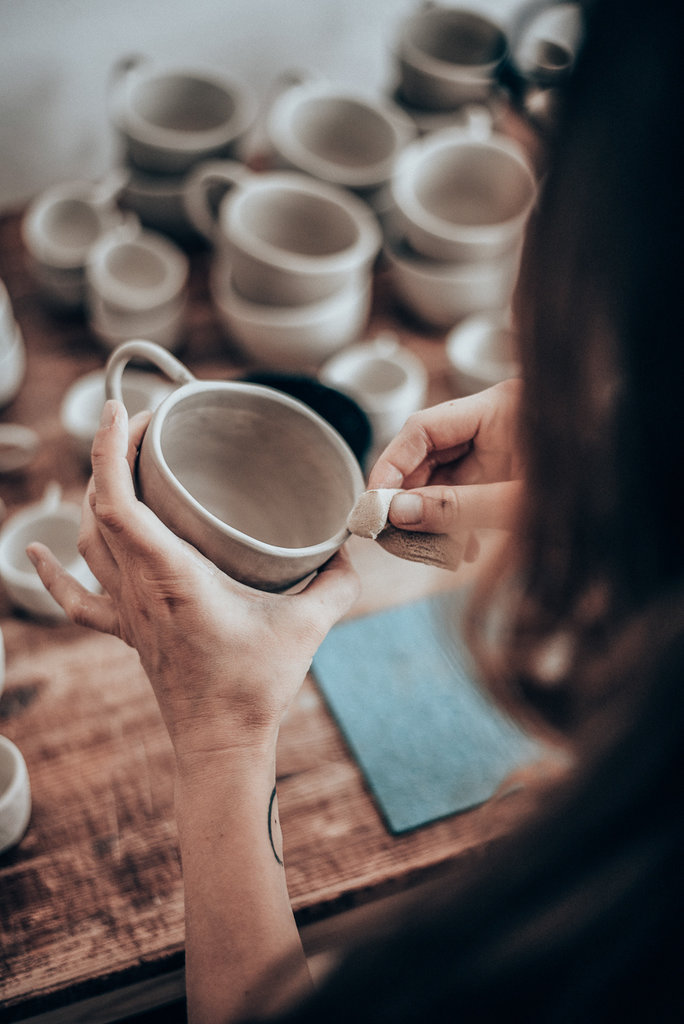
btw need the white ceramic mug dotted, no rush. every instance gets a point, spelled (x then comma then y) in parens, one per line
(171, 117)
(385, 378)
(481, 351)
(253, 478)
(59, 229)
(448, 56)
(136, 282)
(459, 196)
(15, 795)
(287, 238)
(53, 522)
(337, 134)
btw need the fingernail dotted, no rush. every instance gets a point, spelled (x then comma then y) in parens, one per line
(108, 413)
(407, 508)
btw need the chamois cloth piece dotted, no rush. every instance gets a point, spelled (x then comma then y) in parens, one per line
(429, 741)
(368, 518)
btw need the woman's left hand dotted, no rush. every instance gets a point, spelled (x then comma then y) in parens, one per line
(225, 661)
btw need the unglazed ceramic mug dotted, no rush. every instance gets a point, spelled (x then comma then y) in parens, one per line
(53, 522)
(136, 283)
(385, 378)
(448, 56)
(59, 229)
(338, 135)
(15, 795)
(172, 117)
(254, 479)
(287, 238)
(461, 196)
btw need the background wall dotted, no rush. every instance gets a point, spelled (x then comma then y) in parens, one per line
(56, 57)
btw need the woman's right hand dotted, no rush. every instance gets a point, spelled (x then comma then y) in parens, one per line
(458, 464)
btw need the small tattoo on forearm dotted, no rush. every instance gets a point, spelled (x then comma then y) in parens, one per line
(273, 825)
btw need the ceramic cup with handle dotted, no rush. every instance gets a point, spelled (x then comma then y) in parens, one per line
(170, 117)
(254, 479)
(463, 194)
(448, 56)
(287, 238)
(59, 229)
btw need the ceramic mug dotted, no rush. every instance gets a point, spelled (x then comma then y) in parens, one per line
(386, 379)
(287, 238)
(254, 479)
(460, 195)
(449, 56)
(15, 795)
(136, 282)
(338, 135)
(53, 522)
(172, 117)
(60, 228)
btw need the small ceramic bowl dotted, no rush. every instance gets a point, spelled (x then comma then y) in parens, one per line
(18, 446)
(293, 338)
(481, 352)
(55, 523)
(15, 795)
(83, 401)
(12, 367)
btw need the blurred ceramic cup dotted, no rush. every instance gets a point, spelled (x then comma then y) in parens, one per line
(459, 196)
(2, 662)
(53, 522)
(286, 238)
(83, 401)
(12, 365)
(292, 337)
(387, 380)
(256, 480)
(136, 282)
(172, 117)
(15, 795)
(481, 351)
(441, 293)
(59, 229)
(447, 56)
(337, 135)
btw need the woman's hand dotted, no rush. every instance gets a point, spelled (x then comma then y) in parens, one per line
(224, 660)
(459, 463)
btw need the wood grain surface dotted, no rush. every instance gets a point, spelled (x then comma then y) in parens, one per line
(91, 900)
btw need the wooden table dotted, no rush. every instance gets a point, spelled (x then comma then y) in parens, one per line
(91, 904)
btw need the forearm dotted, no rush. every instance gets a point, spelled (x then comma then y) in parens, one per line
(243, 954)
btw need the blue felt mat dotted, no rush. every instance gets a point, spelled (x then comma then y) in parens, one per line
(428, 740)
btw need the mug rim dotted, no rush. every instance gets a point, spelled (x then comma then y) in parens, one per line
(363, 248)
(41, 247)
(287, 143)
(19, 776)
(185, 391)
(186, 141)
(418, 154)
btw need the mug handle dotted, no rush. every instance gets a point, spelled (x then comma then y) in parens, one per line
(152, 353)
(116, 85)
(200, 209)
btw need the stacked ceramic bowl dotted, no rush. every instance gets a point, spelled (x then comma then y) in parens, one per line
(291, 274)
(169, 118)
(12, 351)
(462, 197)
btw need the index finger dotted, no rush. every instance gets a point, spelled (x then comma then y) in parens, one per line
(441, 433)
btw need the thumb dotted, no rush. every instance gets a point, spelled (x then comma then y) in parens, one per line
(445, 509)
(331, 593)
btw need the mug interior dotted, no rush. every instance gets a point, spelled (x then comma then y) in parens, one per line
(298, 222)
(184, 103)
(136, 266)
(261, 467)
(474, 184)
(72, 224)
(458, 37)
(342, 131)
(59, 533)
